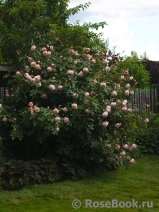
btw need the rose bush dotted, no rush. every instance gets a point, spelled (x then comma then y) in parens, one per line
(73, 105)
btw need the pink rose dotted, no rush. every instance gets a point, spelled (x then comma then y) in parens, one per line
(71, 51)
(37, 66)
(87, 111)
(57, 129)
(132, 161)
(105, 124)
(65, 109)
(134, 146)
(118, 86)
(126, 72)
(70, 72)
(93, 61)
(106, 69)
(105, 62)
(29, 78)
(103, 85)
(126, 146)
(66, 119)
(26, 75)
(109, 146)
(74, 106)
(37, 109)
(127, 85)
(17, 72)
(31, 104)
(44, 49)
(75, 53)
(49, 69)
(51, 48)
(123, 153)
(132, 92)
(117, 146)
(4, 119)
(89, 57)
(114, 93)
(48, 53)
(113, 104)
(124, 108)
(85, 70)
(37, 78)
(117, 125)
(33, 64)
(39, 85)
(108, 110)
(45, 53)
(75, 95)
(44, 96)
(122, 77)
(80, 74)
(60, 87)
(86, 94)
(56, 111)
(108, 107)
(52, 87)
(32, 80)
(105, 114)
(146, 120)
(33, 47)
(124, 103)
(127, 92)
(95, 81)
(57, 119)
(129, 110)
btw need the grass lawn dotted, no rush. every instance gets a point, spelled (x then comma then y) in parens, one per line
(139, 182)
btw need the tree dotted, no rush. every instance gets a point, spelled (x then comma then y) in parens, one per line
(23, 23)
(144, 56)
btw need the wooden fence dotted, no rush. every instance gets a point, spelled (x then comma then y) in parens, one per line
(146, 99)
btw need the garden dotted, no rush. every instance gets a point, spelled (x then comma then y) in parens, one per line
(67, 128)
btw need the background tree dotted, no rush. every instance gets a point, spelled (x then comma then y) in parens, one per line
(23, 23)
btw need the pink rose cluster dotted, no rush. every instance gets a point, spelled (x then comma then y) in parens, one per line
(33, 108)
(33, 79)
(126, 147)
(45, 52)
(73, 52)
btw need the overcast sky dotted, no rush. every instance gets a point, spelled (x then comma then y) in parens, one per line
(132, 24)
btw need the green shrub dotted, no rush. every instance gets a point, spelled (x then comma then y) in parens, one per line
(17, 173)
(69, 102)
(146, 135)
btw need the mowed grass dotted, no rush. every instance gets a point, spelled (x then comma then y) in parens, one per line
(139, 182)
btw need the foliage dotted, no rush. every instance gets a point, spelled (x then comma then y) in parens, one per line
(1, 56)
(25, 22)
(16, 173)
(142, 57)
(146, 135)
(70, 102)
(138, 70)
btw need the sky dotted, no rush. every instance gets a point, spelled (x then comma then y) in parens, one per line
(133, 25)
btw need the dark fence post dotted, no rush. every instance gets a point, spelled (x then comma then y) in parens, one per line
(3, 71)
